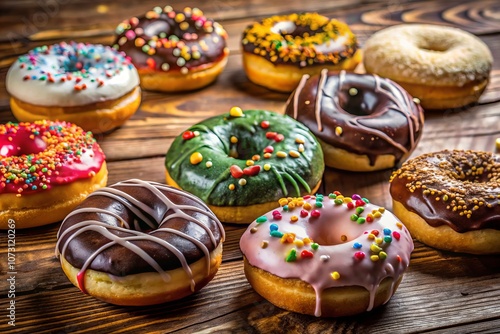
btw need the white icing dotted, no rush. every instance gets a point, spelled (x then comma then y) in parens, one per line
(284, 27)
(102, 64)
(333, 45)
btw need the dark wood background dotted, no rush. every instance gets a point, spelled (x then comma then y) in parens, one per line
(441, 293)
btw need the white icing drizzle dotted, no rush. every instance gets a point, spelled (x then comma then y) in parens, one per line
(138, 208)
(299, 88)
(317, 109)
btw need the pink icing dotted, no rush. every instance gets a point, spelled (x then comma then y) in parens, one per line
(345, 244)
(36, 156)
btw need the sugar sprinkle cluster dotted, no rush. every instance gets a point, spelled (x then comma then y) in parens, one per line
(191, 23)
(85, 65)
(305, 248)
(252, 168)
(466, 181)
(55, 145)
(290, 47)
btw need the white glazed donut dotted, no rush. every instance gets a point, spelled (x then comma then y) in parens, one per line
(93, 86)
(327, 256)
(444, 67)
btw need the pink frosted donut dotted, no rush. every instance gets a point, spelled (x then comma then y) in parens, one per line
(327, 256)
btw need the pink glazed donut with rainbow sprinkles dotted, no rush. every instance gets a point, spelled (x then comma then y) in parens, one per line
(326, 256)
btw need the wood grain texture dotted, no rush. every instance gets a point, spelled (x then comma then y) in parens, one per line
(441, 293)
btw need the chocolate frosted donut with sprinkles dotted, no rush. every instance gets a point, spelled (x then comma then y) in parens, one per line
(174, 50)
(90, 85)
(140, 243)
(279, 50)
(450, 200)
(363, 122)
(326, 256)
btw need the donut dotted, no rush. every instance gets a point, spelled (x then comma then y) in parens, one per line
(279, 50)
(92, 86)
(46, 169)
(326, 256)
(174, 51)
(140, 243)
(444, 67)
(450, 200)
(240, 163)
(363, 122)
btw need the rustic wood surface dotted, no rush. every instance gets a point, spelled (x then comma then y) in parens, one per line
(441, 293)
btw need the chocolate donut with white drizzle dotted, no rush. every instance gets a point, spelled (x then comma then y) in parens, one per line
(364, 122)
(140, 243)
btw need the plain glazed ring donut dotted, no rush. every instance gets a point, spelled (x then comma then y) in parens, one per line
(140, 243)
(90, 85)
(279, 50)
(174, 51)
(46, 169)
(450, 200)
(326, 256)
(241, 163)
(363, 122)
(444, 67)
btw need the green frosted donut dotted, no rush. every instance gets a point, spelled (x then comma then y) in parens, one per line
(242, 163)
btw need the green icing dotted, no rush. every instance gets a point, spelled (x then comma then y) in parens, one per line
(287, 176)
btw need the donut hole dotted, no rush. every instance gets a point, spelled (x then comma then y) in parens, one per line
(284, 28)
(359, 102)
(76, 63)
(290, 29)
(245, 148)
(157, 28)
(433, 46)
(328, 235)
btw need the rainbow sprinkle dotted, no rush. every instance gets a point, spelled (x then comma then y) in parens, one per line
(35, 156)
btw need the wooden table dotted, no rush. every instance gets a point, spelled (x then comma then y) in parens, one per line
(442, 292)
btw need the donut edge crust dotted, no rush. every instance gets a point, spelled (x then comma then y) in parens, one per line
(98, 117)
(177, 82)
(145, 288)
(238, 214)
(295, 295)
(285, 78)
(51, 206)
(339, 158)
(443, 237)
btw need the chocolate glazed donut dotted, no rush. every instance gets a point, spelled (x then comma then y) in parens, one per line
(136, 227)
(166, 40)
(366, 122)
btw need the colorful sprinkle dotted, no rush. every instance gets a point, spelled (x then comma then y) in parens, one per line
(306, 254)
(195, 158)
(292, 255)
(261, 219)
(335, 275)
(236, 112)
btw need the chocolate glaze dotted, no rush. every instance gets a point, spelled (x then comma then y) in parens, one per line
(133, 209)
(375, 115)
(455, 188)
(210, 43)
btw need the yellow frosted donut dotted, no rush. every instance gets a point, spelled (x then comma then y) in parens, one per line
(444, 67)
